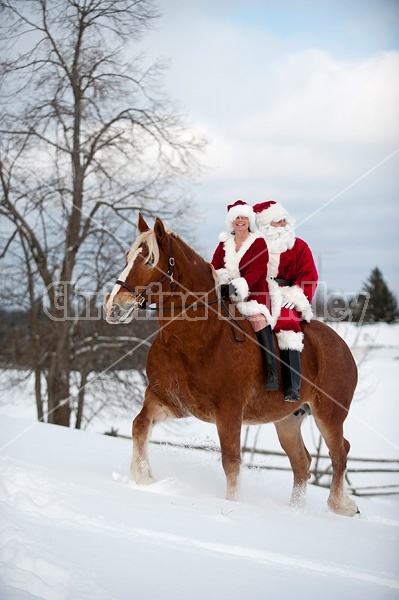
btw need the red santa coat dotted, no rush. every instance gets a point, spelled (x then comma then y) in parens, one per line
(298, 267)
(246, 270)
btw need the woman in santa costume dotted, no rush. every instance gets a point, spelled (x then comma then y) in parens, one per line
(292, 280)
(240, 261)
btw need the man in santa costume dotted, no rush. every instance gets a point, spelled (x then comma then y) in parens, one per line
(292, 280)
(240, 262)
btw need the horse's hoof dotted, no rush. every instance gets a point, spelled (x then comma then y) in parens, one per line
(232, 495)
(298, 499)
(145, 481)
(345, 511)
(142, 478)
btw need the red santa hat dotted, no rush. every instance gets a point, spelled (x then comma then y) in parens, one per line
(240, 209)
(266, 212)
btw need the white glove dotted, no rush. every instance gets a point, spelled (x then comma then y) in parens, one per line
(223, 278)
(285, 303)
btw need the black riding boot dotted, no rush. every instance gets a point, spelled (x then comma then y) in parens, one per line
(291, 374)
(266, 345)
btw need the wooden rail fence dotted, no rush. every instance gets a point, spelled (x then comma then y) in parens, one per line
(320, 470)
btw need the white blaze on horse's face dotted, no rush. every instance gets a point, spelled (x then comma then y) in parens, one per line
(120, 304)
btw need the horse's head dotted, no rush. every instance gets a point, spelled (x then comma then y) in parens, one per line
(148, 266)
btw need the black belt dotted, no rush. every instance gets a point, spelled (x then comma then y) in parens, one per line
(280, 281)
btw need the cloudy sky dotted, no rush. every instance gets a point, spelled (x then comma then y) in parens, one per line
(299, 101)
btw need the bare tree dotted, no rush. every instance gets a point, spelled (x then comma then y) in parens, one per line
(87, 139)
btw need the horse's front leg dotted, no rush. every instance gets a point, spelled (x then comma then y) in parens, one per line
(229, 431)
(151, 413)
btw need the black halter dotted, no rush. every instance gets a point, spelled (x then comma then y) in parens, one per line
(141, 299)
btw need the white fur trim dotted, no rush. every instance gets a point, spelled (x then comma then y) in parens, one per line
(232, 258)
(273, 265)
(290, 340)
(274, 288)
(275, 213)
(241, 210)
(224, 236)
(296, 295)
(276, 298)
(242, 289)
(252, 307)
(293, 293)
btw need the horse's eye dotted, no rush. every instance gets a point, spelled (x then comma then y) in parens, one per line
(149, 262)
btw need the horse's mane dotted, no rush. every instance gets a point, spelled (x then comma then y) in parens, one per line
(188, 250)
(193, 256)
(149, 238)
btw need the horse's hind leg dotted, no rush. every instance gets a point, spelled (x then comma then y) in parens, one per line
(151, 413)
(290, 437)
(338, 447)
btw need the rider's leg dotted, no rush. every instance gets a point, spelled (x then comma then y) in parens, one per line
(290, 342)
(266, 344)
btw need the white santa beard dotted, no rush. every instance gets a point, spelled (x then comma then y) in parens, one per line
(279, 239)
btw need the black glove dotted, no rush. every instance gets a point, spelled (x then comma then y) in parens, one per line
(227, 290)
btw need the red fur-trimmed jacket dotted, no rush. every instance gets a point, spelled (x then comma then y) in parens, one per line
(298, 267)
(246, 270)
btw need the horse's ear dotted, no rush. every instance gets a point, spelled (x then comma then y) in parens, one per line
(160, 232)
(141, 224)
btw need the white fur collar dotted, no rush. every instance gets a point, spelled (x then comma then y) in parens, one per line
(232, 258)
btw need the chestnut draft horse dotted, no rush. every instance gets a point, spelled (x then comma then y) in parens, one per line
(195, 366)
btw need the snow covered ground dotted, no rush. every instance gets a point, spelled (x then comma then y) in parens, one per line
(73, 525)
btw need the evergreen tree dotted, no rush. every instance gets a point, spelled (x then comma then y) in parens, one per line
(375, 303)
